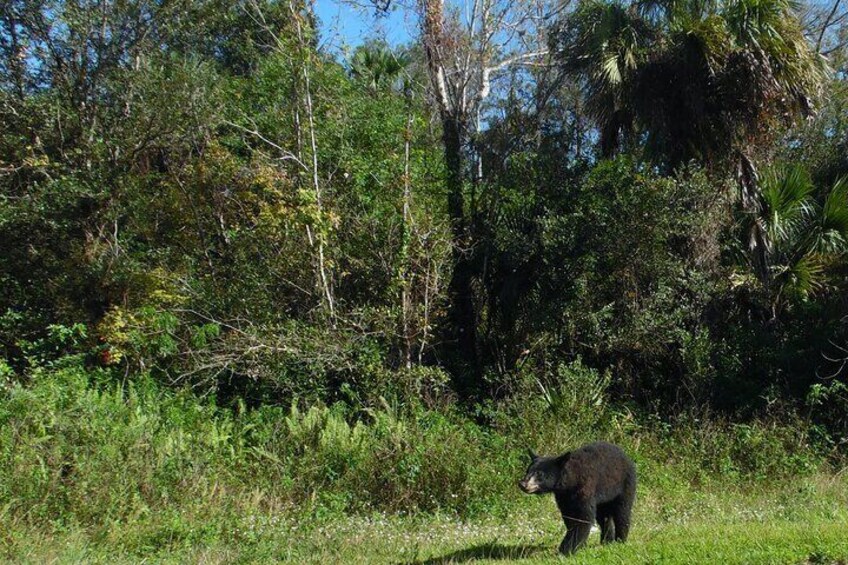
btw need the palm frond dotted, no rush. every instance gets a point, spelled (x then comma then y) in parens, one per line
(377, 64)
(787, 196)
(803, 278)
(602, 42)
(770, 30)
(832, 236)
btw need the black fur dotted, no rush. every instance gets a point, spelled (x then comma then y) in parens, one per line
(594, 483)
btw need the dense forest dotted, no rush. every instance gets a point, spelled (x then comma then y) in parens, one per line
(232, 251)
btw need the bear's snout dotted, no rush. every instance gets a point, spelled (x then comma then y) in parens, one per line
(529, 486)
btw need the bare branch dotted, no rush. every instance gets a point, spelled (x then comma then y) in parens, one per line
(286, 155)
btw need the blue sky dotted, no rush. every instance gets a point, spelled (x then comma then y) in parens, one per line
(346, 25)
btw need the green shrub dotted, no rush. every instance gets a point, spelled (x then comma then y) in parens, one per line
(760, 450)
(79, 448)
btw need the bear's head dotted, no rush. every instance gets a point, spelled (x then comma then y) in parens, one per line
(543, 475)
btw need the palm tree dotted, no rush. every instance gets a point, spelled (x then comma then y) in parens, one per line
(696, 79)
(700, 78)
(604, 43)
(378, 65)
(807, 234)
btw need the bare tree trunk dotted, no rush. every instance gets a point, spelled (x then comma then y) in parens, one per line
(406, 275)
(463, 318)
(16, 56)
(462, 63)
(318, 239)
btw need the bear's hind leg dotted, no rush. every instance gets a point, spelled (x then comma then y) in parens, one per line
(621, 517)
(606, 522)
(622, 511)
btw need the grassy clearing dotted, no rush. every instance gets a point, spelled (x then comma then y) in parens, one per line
(792, 523)
(95, 472)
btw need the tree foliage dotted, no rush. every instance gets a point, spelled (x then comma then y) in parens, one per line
(202, 192)
(699, 79)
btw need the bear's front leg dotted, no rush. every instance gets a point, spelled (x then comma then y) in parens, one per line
(578, 515)
(575, 538)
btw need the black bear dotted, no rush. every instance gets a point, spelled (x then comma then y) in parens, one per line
(595, 482)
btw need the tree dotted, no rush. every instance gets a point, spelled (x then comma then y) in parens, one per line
(463, 57)
(825, 25)
(600, 44)
(807, 233)
(377, 65)
(700, 80)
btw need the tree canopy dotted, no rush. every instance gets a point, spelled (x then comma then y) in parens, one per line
(204, 192)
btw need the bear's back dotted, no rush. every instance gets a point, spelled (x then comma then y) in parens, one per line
(600, 470)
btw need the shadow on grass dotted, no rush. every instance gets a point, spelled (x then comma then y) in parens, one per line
(488, 550)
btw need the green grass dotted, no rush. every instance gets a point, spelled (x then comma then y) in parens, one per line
(107, 473)
(792, 523)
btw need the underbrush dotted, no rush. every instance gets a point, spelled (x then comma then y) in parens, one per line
(79, 450)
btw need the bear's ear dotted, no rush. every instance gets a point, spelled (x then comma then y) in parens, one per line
(563, 458)
(532, 455)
